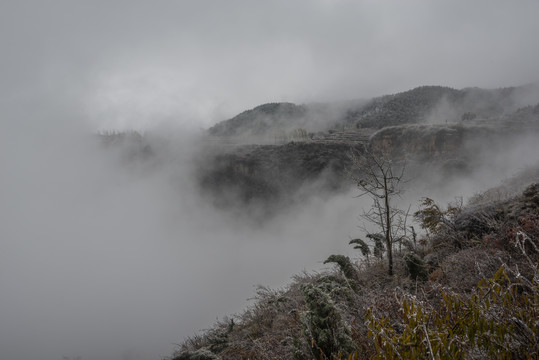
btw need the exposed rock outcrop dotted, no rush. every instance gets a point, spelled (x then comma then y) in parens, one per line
(431, 142)
(274, 173)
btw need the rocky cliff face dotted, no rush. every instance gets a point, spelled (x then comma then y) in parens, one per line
(274, 174)
(431, 142)
(444, 142)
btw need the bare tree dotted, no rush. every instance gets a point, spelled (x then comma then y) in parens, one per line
(381, 178)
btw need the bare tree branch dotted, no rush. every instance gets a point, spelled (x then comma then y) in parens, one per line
(381, 178)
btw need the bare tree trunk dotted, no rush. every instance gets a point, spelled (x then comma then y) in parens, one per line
(389, 245)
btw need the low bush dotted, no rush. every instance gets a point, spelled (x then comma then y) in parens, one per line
(498, 320)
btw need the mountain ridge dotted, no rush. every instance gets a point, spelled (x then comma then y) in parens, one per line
(422, 104)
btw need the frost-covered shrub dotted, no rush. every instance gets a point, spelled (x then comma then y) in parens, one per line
(415, 266)
(328, 333)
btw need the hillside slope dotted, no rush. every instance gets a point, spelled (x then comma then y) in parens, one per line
(260, 120)
(474, 276)
(424, 104)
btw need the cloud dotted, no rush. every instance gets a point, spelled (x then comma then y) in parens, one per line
(99, 258)
(212, 60)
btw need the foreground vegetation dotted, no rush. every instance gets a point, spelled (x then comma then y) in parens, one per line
(468, 288)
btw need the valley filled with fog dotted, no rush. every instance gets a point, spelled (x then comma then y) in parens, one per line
(100, 256)
(113, 255)
(113, 251)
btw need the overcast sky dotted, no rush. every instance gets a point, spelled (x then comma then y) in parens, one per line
(133, 64)
(96, 258)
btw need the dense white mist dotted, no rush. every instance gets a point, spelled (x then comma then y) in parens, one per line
(103, 257)
(107, 260)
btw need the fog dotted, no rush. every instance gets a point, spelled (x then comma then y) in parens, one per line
(105, 258)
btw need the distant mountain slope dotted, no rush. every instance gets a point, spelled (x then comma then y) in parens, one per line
(403, 108)
(437, 104)
(260, 120)
(424, 104)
